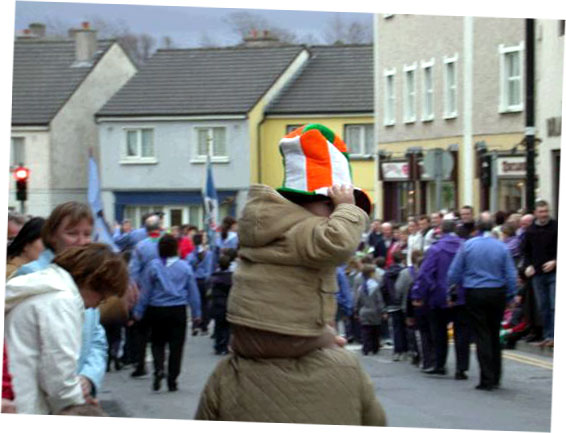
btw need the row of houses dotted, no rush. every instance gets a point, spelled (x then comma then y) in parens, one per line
(151, 128)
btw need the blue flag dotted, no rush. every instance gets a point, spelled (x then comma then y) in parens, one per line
(101, 231)
(210, 201)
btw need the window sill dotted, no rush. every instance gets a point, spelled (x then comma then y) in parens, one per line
(389, 124)
(145, 161)
(361, 157)
(409, 121)
(450, 116)
(505, 110)
(427, 119)
(215, 160)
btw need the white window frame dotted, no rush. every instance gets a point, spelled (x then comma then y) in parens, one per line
(125, 159)
(427, 117)
(406, 117)
(450, 61)
(365, 147)
(22, 151)
(504, 107)
(199, 159)
(389, 118)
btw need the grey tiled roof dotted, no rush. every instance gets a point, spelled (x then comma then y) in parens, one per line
(337, 79)
(201, 81)
(44, 78)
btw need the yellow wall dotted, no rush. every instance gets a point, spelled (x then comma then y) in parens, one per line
(273, 129)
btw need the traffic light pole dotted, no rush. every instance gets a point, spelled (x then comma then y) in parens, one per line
(530, 113)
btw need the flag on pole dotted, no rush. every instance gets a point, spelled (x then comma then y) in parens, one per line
(210, 201)
(101, 231)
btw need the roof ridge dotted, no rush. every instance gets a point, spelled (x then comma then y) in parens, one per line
(231, 47)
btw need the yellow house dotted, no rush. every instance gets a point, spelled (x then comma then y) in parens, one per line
(335, 89)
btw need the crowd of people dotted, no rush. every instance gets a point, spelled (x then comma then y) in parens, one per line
(280, 285)
(490, 280)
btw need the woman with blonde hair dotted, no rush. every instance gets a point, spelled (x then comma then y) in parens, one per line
(44, 319)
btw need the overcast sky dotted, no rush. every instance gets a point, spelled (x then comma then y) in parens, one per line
(185, 25)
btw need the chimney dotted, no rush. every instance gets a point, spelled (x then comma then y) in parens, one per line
(85, 43)
(263, 39)
(37, 29)
(26, 35)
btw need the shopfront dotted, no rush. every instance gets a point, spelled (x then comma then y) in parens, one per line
(510, 185)
(398, 191)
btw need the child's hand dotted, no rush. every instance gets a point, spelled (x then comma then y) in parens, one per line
(341, 194)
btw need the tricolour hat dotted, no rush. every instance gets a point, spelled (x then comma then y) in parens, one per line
(315, 158)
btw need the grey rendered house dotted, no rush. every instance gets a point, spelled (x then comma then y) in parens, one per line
(58, 85)
(156, 132)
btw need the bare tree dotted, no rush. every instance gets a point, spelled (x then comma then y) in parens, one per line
(167, 42)
(338, 32)
(243, 22)
(206, 41)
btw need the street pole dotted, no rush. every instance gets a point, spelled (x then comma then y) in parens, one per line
(438, 177)
(530, 112)
(377, 206)
(467, 153)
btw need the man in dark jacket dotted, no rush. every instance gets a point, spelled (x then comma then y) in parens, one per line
(394, 307)
(221, 282)
(539, 249)
(485, 269)
(433, 285)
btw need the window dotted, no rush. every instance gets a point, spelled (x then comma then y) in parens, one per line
(428, 91)
(139, 146)
(211, 141)
(450, 87)
(511, 83)
(17, 152)
(410, 94)
(561, 27)
(359, 139)
(389, 102)
(290, 128)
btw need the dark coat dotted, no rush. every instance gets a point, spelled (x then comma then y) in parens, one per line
(221, 283)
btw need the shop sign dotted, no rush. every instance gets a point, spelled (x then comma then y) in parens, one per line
(512, 166)
(395, 170)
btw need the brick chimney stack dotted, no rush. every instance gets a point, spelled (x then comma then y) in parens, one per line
(37, 29)
(85, 43)
(261, 39)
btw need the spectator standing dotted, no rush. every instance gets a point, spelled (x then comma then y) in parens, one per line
(467, 225)
(540, 249)
(26, 246)
(201, 260)
(485, 269)
(344, 301)
(221, 283)
(369, 310)
(15, 223)
(413, 241)
(394, 308)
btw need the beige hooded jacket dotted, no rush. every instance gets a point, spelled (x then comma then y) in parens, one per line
(285, 281)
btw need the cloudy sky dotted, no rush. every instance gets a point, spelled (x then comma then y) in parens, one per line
(185, 25)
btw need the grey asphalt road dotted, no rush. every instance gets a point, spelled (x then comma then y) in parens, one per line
(410, 398)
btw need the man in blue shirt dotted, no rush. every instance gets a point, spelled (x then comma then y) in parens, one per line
(485, 269)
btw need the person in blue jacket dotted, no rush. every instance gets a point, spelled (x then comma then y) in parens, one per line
(201, 260)
(345, 301)
(70, 224)
(486, 271)
(168, 287)
(143, 253)
(432, 285)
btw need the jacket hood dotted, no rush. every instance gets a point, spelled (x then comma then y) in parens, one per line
(267, 216)
(450, 244)
(49, 280)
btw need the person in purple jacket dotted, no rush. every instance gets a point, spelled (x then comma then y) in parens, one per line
(432, 284)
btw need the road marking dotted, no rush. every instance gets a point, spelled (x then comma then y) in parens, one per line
(528, 360)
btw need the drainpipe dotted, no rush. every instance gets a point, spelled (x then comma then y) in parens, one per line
(530, 111)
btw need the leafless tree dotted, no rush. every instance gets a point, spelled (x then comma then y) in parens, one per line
(339, 32)
(243, 22)
(206, 41)
(167, 42)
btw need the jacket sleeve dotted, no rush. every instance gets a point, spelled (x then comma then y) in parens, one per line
(510, 275)
(60, 339)
(135, 265)
(457, 267)
(194, 296)
(372, 411)
(344, 295)
(94, 364)
(425, 278)
(319, 241)
(146, 286)
(208, 404)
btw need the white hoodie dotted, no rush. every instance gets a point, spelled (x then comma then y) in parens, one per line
(43, 323)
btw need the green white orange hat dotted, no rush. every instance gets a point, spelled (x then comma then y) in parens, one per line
(315, 158)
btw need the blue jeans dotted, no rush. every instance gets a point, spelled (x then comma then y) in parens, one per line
(545, 289)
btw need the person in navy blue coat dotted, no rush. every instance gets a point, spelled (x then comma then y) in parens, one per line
(168, 287)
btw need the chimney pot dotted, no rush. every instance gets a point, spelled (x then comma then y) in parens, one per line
(85, 25)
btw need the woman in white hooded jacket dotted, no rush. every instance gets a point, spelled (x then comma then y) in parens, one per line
(43, 323)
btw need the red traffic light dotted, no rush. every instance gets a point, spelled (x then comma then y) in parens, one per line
(21, 173)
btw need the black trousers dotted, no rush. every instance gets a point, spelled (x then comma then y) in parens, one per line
(168, 328)
(114, 338)
(140, 335)
(486, 308)
(440, 318)
(370, 338)
(426, 344)
(221, 333)
(204, 306)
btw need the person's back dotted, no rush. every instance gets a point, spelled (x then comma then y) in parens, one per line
(327, 386)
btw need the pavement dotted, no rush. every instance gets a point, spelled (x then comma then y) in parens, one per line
(409, 397)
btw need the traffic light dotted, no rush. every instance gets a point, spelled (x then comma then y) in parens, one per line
(485, 170)
(21, 174)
